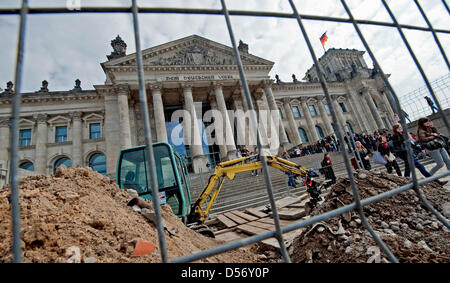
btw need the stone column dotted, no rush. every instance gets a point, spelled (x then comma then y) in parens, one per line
(219, 134)
(158, 109)
(240, 124)
(324, 115)
(357, 111)
(228, 130)
(124, 115)
(273, 107)
(339, 113)
(5, 123)
(373, 108)
(77, 139)
(263, 121)
(386, 94)
(41, 144)
(292, 124)
(195, 143)
(111, 130)
(367, 119)
(309, 121)
(387, 106)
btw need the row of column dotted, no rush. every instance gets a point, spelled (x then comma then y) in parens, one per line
(360, 105)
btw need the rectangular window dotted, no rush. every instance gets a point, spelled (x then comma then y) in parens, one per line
(312, 109)
(344, 109)
(94, 131)
(61, 134)
(296, 112)
(25, 137)
(327, 107)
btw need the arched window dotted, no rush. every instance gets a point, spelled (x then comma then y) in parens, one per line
(62, 161)
(319, 132)
(350, 128)
(27, 165)
(303, 135)
(98, 163)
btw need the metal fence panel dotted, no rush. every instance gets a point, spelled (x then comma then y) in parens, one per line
(357, 205)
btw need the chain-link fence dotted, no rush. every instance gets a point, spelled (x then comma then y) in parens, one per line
(416, 106)
(296, 15)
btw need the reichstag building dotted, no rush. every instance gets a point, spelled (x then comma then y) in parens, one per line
(89, 127)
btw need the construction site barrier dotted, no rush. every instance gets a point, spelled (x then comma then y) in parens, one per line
(357, 205)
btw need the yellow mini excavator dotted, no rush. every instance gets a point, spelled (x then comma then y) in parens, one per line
(174, 182)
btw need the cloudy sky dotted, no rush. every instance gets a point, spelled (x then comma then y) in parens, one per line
(61, 48)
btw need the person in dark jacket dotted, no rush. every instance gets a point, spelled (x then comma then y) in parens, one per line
(399, 150)
(385, 151)
(327, 169)
(364, 154)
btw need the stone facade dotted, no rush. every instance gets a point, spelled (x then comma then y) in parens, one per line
(191, 74)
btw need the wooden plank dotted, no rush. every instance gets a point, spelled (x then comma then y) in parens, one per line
(262, 225)
(235, 218)
(230, 236)
(291, 213)
(286, 201)
(226, 221)
(256, 213)
(226, 230)
(244, 215)
(252, 230)
(272, 221)
(298, 205)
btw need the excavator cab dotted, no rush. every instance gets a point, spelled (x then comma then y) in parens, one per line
(173, 178)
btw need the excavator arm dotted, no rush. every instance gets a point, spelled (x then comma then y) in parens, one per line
(229, 169)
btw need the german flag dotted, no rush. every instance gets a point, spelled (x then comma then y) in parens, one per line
(323, 39)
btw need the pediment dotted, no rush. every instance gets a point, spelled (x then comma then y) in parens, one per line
(93, 117)
(26, 123)
(189, 51)
(311, 101)
(59, 120)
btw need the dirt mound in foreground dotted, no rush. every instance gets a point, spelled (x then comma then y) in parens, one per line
(81, 208)
(411, 232)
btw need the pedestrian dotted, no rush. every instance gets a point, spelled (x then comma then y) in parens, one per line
(364, 154)
(385, 151)
(291, 181)
(431, 104)
(401, 152)
(434, 145)
(253, 158)
(327, 169)
(238, 153)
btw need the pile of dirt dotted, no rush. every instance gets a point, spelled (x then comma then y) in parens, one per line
(411, 232)
(78, 209)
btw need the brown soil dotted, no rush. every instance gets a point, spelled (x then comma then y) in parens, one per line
(411, 232)
(79, 207)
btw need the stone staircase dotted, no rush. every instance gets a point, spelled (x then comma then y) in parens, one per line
(251, 191)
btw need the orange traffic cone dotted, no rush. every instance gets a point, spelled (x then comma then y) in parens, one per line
(142, 247)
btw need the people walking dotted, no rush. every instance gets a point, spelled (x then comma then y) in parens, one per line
(431, 104)
(385, 151)
(364, 154)
(434, 145)
(399, 149)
